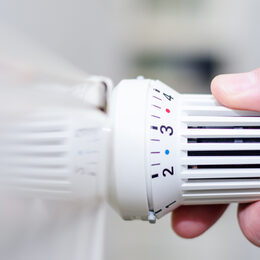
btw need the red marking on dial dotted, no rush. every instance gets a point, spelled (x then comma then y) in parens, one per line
(167, 110)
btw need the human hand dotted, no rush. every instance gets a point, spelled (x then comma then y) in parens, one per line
(237, 91)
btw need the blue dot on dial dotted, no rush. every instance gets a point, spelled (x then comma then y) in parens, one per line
(167, 151)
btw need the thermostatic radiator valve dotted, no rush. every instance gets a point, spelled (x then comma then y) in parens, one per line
(171, 149)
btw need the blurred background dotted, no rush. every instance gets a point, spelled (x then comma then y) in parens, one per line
(184, 43)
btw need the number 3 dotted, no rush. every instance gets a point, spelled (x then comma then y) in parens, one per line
(165, 129)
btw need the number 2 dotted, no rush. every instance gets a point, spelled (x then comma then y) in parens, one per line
(170, 171)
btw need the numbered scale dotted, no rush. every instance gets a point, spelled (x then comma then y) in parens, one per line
(170, 149)
(162, 135)
(145, 137)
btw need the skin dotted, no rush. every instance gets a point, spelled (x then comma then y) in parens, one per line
(237, 91)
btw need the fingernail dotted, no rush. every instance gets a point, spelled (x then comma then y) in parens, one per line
(235, 83)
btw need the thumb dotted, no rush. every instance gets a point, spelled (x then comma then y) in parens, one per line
(238, 91)
(242, 91)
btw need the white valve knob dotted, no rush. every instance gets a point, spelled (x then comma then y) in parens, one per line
(171, 149)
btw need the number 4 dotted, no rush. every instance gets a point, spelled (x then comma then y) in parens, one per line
(169, 97)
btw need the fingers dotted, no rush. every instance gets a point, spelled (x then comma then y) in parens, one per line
(192, 221)
(249, 221)
(238, 91)
(242, 91)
